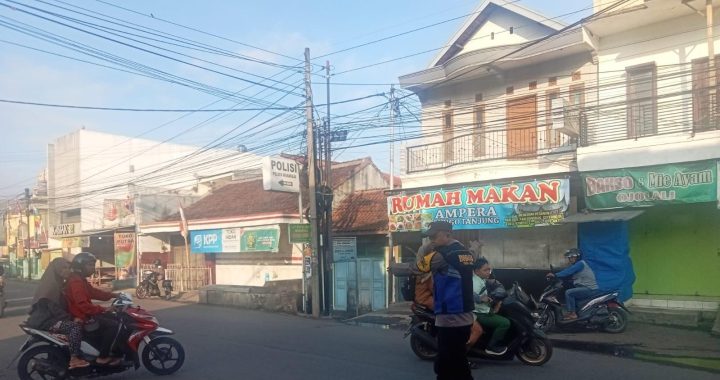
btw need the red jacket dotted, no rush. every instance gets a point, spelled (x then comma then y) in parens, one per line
(79, 294)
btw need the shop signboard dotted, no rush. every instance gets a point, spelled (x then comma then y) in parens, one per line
(513, 205)
(691, 182)
(76, 242)
(124, 253)
(344, 248)
(118, 212)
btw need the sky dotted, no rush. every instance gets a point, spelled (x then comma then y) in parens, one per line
(244, 55)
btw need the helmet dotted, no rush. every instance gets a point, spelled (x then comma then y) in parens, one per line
(80, 261)
(573, 252)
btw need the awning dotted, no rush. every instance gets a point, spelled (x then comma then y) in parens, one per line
(602, 216)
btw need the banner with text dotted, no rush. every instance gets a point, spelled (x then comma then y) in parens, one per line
(514, 205)
(651, 185)
(230, 240)
(124, 253)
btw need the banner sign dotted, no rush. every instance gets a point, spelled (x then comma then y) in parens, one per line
(260, 239)
(124, 253)
(651, 185)
(206, 241)
(76, 242)
(118, 212)
(67, 229)
(298, 233)
(514, 205)
(233, 240)
(344, 248)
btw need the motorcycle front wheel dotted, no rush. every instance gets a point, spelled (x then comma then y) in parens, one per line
(163, 356)
(43, 362)
(617, 320)
(141, 292)
(535, 351)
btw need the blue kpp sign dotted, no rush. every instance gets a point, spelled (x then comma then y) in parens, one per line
(206, 241)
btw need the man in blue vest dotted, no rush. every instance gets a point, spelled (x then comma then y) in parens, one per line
(451, 265)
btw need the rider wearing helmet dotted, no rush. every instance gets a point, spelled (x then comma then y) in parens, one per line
(583, 279)
(80, 293)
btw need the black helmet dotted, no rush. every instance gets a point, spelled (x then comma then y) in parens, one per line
(80, 261)
(573, 252)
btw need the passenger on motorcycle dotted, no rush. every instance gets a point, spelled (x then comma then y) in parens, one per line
(49, 310)
(79, 296)
(583, 278)
(485, 311)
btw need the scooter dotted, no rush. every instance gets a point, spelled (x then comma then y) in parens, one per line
(603, 311)
(150, 286)
(46, 355)
(523, 341)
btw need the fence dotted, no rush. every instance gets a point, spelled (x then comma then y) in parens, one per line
(184, 278)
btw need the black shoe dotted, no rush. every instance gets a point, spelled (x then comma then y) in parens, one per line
(497, 350)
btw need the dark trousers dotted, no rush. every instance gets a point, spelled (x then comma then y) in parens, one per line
(451, 362)
(109, 334)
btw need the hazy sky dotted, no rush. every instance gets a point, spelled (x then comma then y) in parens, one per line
(283, 27)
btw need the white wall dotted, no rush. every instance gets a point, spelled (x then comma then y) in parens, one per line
(499, 23)
(255, 275)
(102, 166)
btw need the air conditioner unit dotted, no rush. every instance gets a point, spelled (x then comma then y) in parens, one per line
(565, 118)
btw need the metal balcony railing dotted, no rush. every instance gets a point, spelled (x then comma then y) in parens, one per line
(518, 143)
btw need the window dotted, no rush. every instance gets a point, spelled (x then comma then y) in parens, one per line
(641, 101)
(704, 103)
(447, 131)
(479, 131)
(552, 138)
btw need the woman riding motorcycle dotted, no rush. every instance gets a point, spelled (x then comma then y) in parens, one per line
(79, 296)
(49, 310)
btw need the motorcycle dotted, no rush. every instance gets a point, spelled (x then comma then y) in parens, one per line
(46, 355)
(523, 341)
(603, 311)
(150, 286)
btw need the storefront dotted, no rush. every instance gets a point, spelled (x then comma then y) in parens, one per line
(517, 226)
(674, 242)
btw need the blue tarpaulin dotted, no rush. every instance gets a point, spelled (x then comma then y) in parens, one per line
(606, 249)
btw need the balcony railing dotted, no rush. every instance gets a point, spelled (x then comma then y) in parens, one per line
(518, 143)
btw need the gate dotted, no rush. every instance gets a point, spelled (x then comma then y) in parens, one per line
(359, 285)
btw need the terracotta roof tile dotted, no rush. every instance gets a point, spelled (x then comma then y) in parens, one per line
(362, 211)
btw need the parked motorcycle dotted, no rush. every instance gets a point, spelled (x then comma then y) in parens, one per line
(523, 341)
(150, 286)
(46, 355)
(604, 311)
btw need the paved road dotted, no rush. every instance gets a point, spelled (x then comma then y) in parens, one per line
(224, 343)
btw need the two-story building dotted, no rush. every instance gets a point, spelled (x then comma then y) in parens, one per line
(653, 143)
(495, 159)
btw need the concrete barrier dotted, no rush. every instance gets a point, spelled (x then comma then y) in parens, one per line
(275, 296)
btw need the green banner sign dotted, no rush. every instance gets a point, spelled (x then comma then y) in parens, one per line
(298, 233)
(254, 240)
(651, 185)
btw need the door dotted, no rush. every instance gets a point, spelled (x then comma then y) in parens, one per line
(521, 116)
(359, 285)
(340, 293)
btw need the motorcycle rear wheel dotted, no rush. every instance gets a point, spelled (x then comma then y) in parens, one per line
(421, 349)
(161, 351)
(141, 292)
(535, 351)
(546, 321)
(617, 320)
(27, 370)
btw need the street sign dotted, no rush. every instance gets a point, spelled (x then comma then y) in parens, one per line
(299, 233)
(281, 174)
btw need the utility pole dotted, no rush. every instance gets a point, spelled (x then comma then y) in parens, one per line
(328, 198)
(312, 182)
(389, 280)
(27, 213)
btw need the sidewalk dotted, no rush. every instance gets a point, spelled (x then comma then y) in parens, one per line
(680, 346)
